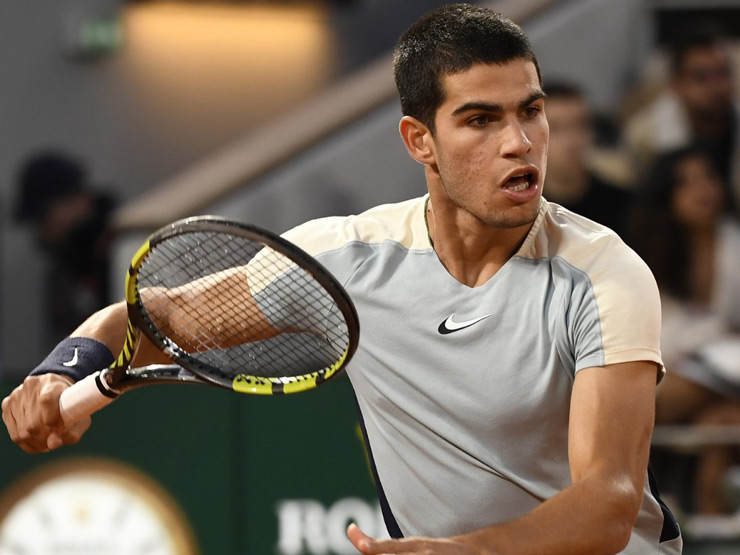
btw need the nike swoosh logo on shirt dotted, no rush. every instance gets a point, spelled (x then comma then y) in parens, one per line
(449, 325)
(72, 362)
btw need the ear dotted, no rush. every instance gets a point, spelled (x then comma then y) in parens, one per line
(418, 139)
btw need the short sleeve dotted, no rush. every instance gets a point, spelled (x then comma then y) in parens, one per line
(619, 318)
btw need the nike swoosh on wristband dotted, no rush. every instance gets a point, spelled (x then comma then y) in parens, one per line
(449, 325)
(72, 362)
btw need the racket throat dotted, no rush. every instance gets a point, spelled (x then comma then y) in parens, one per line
(103, 382)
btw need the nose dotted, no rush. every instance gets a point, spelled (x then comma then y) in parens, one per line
(514, 140)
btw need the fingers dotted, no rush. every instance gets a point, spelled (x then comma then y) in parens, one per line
(51, 387)
(369, 546)
(9, 419)
(74, 433)
(358, 538)
(69, 436)
(31, 415)
(17, 422)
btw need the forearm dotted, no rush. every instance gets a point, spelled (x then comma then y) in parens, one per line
(183, 313)
(108, 326)
(590, 517)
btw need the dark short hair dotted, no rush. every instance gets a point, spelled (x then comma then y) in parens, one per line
(700, 39)
(44, 178)
(449, 40)
(563, 89)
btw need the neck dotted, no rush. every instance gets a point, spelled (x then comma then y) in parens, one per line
(711, 126)
(702, 236)
(471, 251)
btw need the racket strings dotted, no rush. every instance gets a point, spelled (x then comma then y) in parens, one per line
(236, 306)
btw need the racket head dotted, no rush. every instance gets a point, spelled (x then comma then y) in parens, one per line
(305, 324)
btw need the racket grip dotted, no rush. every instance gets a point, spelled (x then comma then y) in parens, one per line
(83, 398)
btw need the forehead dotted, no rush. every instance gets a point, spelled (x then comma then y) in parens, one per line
(691, 163)
(567, 112)
(562, 102)
(705, 56)
(502, 84)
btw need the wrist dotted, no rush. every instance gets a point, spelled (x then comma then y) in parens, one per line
(75, 358)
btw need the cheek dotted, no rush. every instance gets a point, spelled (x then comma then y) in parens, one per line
(685, 205)
(539, 136)
(698, 95)
(681, 208)
(465, 157)
(543, 165)
(544, 137)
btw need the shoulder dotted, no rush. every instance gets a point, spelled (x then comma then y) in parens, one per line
(621, 303)
(617, 276)
(402, 223)
(582, 243)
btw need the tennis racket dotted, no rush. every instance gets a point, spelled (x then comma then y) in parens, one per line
(233, 306)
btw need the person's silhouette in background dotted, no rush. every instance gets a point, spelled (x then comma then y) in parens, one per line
(698, 108)
(692, 245)
(571, 182)
(71, 223)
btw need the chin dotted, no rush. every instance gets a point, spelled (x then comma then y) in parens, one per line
(510, 221)
(513, 217)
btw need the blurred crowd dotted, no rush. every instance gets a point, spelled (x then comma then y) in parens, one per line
(70, 220)
(664, 174)
(666, 177)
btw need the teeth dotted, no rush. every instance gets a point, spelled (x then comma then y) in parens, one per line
(520, 187)
(519, 183)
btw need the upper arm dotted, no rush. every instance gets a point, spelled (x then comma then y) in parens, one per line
(614, 310)
(611, 421)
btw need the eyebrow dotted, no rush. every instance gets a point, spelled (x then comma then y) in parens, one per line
(486, 107)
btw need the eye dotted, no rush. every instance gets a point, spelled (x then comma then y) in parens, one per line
(531, 112)
(479, 121)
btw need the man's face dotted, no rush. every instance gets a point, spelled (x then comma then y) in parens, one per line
(571, 134)
(704, 82)
(490, 143)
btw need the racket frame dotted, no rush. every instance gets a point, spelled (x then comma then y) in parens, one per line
(119, 377)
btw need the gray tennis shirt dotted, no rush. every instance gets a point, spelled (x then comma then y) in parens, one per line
(465, 392)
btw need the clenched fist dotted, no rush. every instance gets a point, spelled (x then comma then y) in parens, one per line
(31, 414)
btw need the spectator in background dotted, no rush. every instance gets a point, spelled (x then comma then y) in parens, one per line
(570, 180)
(699, 107)
(682, 231)
(71, 223)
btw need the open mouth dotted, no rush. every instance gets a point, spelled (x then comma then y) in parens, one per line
(520, 182)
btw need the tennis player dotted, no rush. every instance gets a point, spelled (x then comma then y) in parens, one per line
(507, 369)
